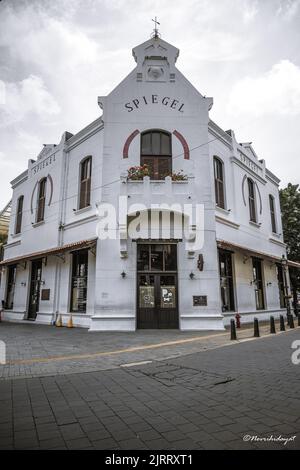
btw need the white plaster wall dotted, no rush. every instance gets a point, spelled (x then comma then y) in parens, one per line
(111, 299)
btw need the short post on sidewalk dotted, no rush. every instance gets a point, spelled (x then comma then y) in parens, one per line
(256, 328)
(292, 322)
(282, 325)
(232, 330)
(272, 325)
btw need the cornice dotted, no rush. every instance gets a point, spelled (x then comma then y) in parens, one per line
(248, 169)
(223, 221)
(84, 134)
(19, 179)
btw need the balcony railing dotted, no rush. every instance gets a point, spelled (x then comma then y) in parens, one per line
(157, 190)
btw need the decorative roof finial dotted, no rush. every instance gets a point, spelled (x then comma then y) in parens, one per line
(155, 33)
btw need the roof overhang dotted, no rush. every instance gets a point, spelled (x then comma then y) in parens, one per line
(248, 251)
(50, 252)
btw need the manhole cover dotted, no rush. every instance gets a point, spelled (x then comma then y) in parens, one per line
(173, 374)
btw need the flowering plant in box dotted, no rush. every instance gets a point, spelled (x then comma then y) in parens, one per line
(178, 176)
(138, 172)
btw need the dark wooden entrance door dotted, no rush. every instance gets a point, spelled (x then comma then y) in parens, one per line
(157, 290)
(35, 287)
(157, 301)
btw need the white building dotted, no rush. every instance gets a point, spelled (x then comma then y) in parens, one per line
(54, 263)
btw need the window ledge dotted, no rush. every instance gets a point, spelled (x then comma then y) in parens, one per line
(255, 224)
(222, 210)
(37, 224)
(83, 209)
(15, 235)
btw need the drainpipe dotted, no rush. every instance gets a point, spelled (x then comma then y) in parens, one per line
(61, 222)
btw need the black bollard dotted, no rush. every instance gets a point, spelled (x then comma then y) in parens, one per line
(256, 328)
(292, 322)
(298, 319)
(282, 326)
(232, 330)
(272, 325)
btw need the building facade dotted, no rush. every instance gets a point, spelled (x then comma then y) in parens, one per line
(153, 144)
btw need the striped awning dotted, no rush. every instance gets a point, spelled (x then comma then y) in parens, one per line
(234, 246)
(50, 252)
(5, 218)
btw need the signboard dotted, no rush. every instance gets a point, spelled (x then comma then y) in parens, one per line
(147, 297)
(45, 294)
(199, 300)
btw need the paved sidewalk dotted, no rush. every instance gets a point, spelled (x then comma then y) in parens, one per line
(38, 350)
(204, 400)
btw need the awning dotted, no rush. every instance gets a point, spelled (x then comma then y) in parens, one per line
(234, 246)
(51, 251)
(4, 218)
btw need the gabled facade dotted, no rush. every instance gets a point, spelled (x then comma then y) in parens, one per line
(154, 128)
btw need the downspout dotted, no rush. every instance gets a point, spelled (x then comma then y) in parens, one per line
(61, 222)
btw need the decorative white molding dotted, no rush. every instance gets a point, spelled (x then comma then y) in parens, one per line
(277, 242)
(249, 170)
(227, 222)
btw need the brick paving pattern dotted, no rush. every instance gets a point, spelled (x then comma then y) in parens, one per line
(202, 400)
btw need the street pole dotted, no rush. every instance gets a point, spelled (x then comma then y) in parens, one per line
(284, 263)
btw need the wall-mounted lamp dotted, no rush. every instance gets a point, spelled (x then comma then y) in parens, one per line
(200, 262)
(192, 275)
(43, 282)
(269, 284)
(23, 284)
(123, 274)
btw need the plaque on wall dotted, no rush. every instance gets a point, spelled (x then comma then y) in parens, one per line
(45, 294)
(199, 300)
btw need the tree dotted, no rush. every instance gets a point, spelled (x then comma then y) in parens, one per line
(290, 209)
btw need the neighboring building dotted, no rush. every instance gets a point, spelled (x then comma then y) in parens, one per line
(55, 264)
(4, 226)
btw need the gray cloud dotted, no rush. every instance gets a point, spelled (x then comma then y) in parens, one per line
(56, 57)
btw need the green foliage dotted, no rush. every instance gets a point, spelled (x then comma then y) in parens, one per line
(290, 209)
(3, 238)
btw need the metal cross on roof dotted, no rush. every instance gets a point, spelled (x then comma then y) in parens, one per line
(155, 31)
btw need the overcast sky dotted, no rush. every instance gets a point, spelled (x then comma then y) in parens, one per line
(57, 56)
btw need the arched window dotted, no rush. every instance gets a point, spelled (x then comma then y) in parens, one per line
(272, 213)
(85, 182)
(19, 214)
(156, 153)
(41, 202)
(252, 200)
(219, 182)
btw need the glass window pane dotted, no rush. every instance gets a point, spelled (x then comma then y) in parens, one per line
(143, 257)
(79, 281)
(149, 161)
(146, 144)
(170, 258)
(164, 167)
(165, 144)
(155, 143)
(157, 257)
